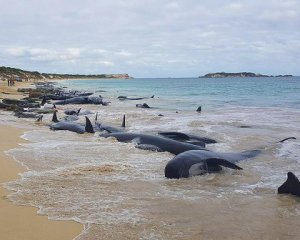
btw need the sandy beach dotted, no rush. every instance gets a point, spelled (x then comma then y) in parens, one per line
(21, 222)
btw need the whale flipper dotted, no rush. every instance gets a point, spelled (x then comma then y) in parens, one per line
(222, 162)
(290, 186)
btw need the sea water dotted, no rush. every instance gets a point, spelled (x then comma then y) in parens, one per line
(119, 192)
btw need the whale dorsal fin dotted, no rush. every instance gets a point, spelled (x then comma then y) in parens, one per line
(291, 185)
(96, 117)
(54, 117)
(43, 101)
(78, 111)
(123, 122)
(88, 126)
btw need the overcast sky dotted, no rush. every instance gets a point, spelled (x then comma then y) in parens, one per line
(151, 38)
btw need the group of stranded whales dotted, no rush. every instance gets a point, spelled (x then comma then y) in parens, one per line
(191, 157)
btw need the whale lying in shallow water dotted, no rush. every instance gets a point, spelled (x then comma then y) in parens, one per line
(72, 126)
(152, 142)
(197, 162)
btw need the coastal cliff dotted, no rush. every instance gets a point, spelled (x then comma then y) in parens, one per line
(239, 75)
(15, 73)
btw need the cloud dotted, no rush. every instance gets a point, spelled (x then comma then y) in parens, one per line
(168, 38)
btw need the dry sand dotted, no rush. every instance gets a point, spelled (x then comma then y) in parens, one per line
(20, 222)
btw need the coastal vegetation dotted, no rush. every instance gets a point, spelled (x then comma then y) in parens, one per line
(239, 74)
(19, 74)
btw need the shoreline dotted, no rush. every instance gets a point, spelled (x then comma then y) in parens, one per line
(23, 222)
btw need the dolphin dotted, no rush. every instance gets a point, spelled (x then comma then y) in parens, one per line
(198, 162)
(152, 142)
(73, 127)
(290, 186)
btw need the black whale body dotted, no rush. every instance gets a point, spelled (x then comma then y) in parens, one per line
(152, 142)
(82, 100)
(197, 162)
(72, 126)
(179, 136)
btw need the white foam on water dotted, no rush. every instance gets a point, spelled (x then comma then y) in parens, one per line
(108, 185)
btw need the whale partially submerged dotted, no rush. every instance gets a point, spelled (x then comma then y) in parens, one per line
(109, 128)
(198, 162)
(72, 126)
(82, 100)
(153, 142)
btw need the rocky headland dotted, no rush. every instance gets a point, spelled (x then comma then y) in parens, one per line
(7, 73)
(239, 75)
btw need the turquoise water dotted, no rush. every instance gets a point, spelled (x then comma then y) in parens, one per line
(189, 93)
(119, 192)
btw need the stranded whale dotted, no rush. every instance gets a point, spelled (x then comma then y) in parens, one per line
(152, 142)
(108, 128)
(197, 162)
(71, 126)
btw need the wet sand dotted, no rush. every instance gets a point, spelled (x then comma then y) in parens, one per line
(22, 222)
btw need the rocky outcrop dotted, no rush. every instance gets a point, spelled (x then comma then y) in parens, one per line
(240, 74)
(19, 74)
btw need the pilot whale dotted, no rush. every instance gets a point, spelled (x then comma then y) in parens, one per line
(71, 126)
(152, 142)
(198, 162)
(109, 128)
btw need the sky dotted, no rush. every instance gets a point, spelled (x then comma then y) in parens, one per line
(151, 38)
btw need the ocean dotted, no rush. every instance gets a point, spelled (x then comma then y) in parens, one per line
(119, 192)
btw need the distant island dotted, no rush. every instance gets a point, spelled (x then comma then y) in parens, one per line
(19, 74)
(239, 74)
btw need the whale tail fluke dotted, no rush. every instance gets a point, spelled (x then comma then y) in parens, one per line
(290, 186)
(88, 126)
(123, 122)
(54, 117)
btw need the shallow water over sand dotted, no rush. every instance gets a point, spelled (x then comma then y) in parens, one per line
(120, 192)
